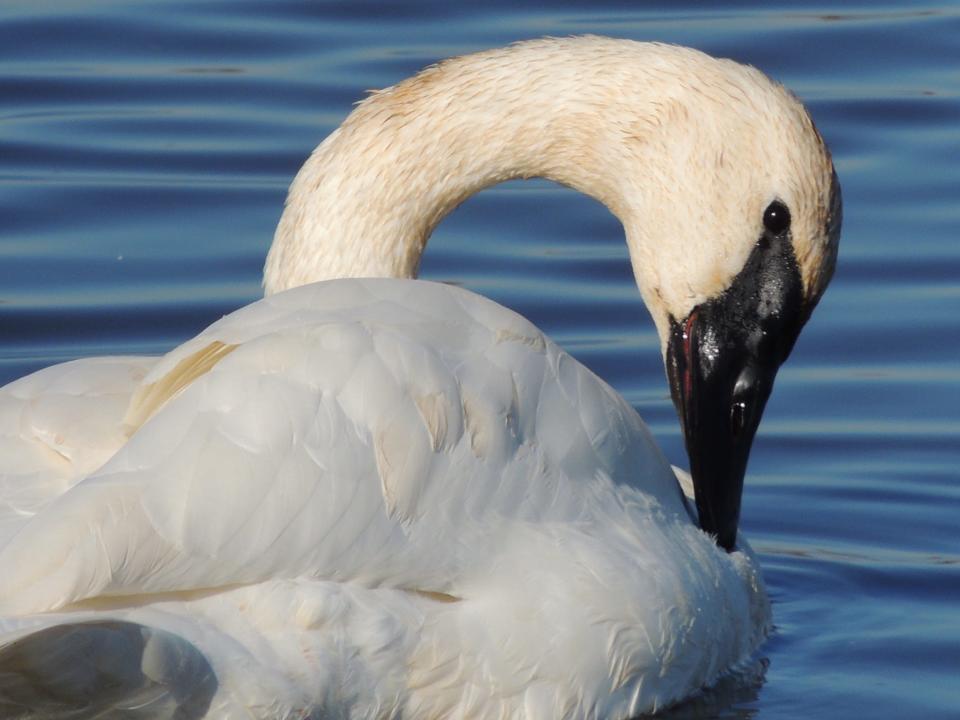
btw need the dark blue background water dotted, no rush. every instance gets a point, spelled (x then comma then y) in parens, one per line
(145, 149)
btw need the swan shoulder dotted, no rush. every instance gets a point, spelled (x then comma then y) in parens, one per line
(377, 431)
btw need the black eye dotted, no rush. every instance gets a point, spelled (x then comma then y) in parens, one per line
(776, 218)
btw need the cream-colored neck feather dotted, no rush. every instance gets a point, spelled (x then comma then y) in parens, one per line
(684, 149)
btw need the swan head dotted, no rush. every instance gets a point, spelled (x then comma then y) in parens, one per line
(731, 263)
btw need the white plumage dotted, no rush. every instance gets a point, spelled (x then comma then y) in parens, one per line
(356, 498)
(408, 471)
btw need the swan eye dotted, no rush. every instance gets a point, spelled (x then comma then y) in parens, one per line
(738, 418)
(776, 218)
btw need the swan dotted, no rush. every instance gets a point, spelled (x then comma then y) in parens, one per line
(370, 496)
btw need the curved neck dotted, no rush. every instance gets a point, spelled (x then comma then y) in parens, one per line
(648, 130)
(369, 196)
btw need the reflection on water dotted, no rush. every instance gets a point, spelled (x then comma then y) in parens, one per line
(145, 148)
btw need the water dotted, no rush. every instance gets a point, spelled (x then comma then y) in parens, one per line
(145, 148)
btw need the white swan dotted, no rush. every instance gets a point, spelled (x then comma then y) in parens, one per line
(391, 498)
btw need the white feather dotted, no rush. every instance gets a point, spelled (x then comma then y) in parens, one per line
(544, 516)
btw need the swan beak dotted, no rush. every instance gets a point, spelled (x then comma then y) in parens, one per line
(717, 428)
(721, 361)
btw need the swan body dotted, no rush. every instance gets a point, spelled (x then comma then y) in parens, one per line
(393, 498)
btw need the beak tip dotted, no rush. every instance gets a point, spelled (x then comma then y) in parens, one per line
(724, 534)
(728, 541)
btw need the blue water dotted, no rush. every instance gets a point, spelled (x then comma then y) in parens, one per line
(146, 146)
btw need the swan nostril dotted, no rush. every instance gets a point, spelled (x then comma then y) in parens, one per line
(738, 418)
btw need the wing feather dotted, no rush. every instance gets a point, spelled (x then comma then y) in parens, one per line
(306, 436)
(58, 425)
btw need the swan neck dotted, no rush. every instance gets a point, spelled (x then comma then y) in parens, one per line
(658, 134)
(368, 198)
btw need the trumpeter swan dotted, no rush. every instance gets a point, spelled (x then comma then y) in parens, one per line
(391, 498)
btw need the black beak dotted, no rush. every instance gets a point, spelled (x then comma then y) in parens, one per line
(721, 362)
